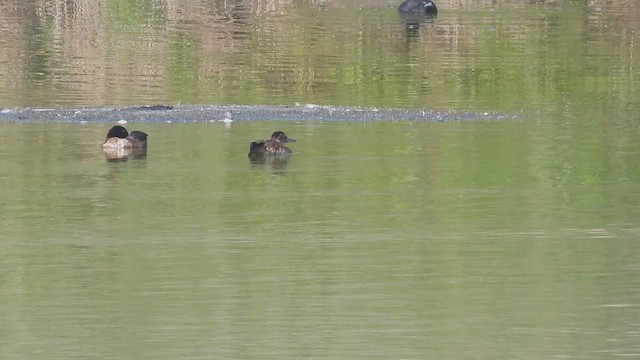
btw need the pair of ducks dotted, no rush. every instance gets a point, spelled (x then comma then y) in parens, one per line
(118, 139)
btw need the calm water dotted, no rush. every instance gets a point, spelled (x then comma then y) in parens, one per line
(488, 239)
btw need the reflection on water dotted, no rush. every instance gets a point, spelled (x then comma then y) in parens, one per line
(413, 23)
(277, 163)
(490, 56)
(439, 241)
(457, 239)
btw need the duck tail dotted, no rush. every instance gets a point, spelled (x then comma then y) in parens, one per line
(255, 147)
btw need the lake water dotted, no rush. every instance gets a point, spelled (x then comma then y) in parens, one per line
(494, 238)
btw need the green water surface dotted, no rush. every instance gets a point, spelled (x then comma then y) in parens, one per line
(487, 239)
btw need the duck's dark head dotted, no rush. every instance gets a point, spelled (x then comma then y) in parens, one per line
(430, 7)
(117, 132)
(138, 135)
(280, 136)
(137, 139)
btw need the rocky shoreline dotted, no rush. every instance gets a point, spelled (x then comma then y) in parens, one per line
(213, 113)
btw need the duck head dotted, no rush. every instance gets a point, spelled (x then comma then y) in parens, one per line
(138, 135)
(280, 136)
(117, 132)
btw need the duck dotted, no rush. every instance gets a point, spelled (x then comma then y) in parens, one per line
(418, 7)
(273, 146)
(119, 138)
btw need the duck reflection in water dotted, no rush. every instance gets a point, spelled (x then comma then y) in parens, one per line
(120, 145)
(273, 151)
(414, 12)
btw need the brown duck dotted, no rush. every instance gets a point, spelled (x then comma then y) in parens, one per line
(273, 146)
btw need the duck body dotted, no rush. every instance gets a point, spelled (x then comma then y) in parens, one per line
(273, 146)
(119, 138)
(418, 7)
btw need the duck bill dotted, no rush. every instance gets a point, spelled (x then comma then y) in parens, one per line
(290, 139)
